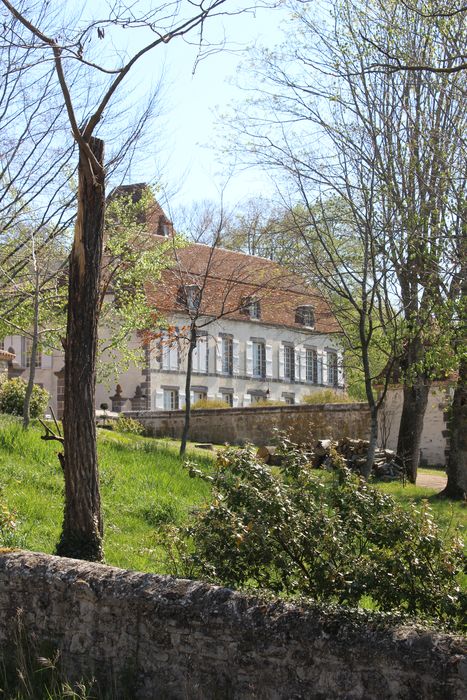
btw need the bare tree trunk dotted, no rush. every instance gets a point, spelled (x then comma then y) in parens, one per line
(456, 488)
(82, 525)
(411, 425)
(33, 358)
(189, 369)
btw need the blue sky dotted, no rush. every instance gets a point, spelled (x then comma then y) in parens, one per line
(185, 150)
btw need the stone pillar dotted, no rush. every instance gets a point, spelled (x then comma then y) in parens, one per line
(117, 399)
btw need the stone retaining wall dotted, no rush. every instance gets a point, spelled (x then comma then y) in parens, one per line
(174, 639)
(256, 425)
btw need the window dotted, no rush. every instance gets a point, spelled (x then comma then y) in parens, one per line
(199, 396)
(259, 359)
(171, 399)
(305, 316)
(289, 399)
(227, 355)
(201, 353)
(332, 368)
(311, 369)
(193, 297)
(26, 354)
(289, 362)
(251, 307)
(169, 352)
(189, 296)
(227, 397)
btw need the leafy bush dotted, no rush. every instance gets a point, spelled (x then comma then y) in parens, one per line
(129, 425)
(327, 396)
(332, 537)
(209, 403)
(12, 394)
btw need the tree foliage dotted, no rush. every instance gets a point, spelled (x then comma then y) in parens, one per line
(331, 537)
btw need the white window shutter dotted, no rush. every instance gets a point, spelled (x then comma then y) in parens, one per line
(195, 358)
(246, 400)
(340, 369)
(235, 401)
(322, 370)
(281, 362)
(192, 397)
(218, 358)
(249, 360)
(159, 400)
(303, 364)
(203, 355)
(173, 356)
(297, 364)
(46, 361)
(269, 361)
(236, 356)
(181, 399)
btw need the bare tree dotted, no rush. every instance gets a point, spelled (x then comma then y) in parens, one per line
(322, 115)
(68, 49)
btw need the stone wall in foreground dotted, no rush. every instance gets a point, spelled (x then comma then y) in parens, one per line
(172, 639)
(256, 425)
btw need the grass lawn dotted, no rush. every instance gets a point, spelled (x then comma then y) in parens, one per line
(143, 484)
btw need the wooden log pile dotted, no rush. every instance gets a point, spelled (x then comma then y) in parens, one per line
(385, 467)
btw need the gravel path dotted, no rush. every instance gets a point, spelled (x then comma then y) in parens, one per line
(432, 481)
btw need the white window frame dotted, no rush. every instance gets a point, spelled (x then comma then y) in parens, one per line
(259, 359)
(171, 399)
(289, 362)
(227, 355)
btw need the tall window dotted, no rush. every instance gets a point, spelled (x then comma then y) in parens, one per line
(171, 399)
(289, 362)
(201, 353)
(311, 366)
(332, 368)
(227, 355)
(259, 359)
(26, 353)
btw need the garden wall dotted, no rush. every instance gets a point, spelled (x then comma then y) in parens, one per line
(256, 425)
(160, 638)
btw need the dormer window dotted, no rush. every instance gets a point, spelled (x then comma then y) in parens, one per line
(193, 297)
(251, 307)
(305, 316)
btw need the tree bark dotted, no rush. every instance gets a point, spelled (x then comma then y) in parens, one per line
(456, 488)
(411, 425)
(82, 531)
(189, 370)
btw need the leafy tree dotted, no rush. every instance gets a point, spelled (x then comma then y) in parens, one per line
(390, 147)
(69, 48)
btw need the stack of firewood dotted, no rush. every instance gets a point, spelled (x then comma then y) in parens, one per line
(355, 453)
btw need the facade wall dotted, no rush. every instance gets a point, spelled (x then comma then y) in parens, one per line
(153, 637)
(435, 443)
(242, 383)
(143, 387)
(257, 425)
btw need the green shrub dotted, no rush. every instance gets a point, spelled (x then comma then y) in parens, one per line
(12, 394)
(332, 537)
(327, 396)
(209, 403)
(128, 425)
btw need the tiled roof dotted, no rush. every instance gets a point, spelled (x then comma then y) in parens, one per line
(227, 278)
